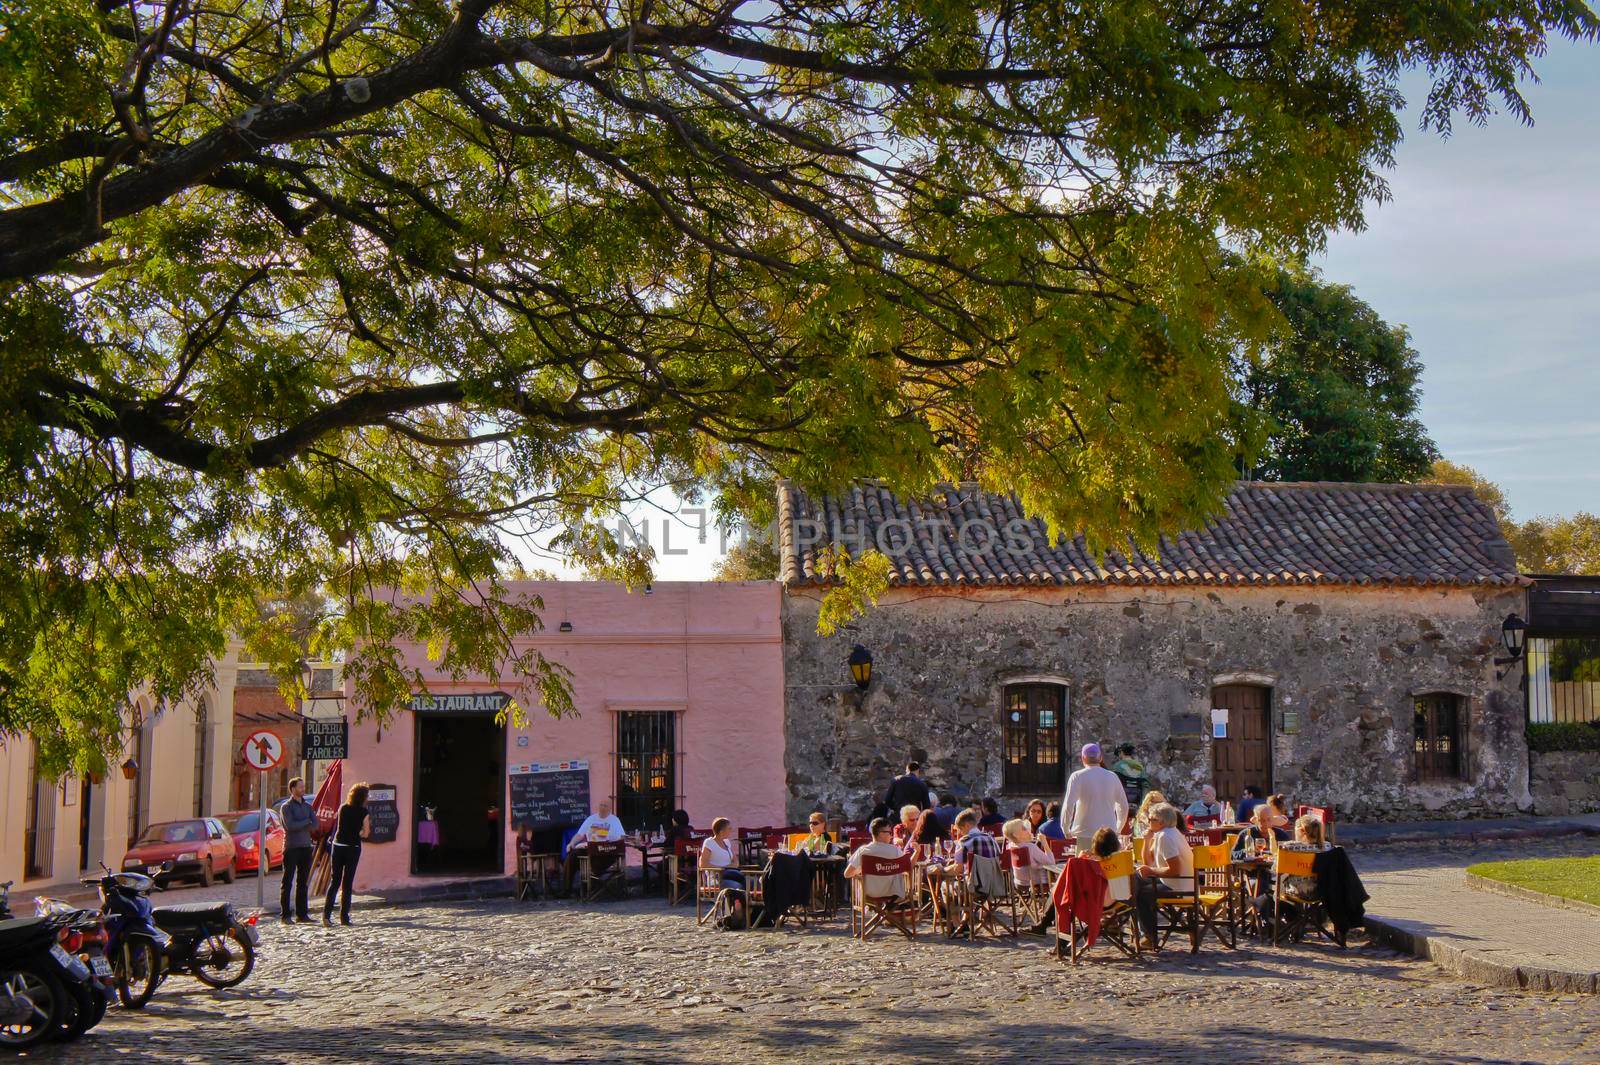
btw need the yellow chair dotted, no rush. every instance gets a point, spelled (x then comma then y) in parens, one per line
(1307, 913)
(1211, 899)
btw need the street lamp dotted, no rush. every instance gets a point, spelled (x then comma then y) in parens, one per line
(1514, 636)
(861, 666)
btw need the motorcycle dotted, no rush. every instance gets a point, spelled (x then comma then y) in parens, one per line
(134, 943)
(40, 982)
(82, 933)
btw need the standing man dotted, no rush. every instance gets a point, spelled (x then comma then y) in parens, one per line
(1095, 799)
(908, 789)
(299, 818)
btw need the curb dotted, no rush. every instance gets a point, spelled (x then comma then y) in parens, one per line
(1477, 968)
(1500, 887)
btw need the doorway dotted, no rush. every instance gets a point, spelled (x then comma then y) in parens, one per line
(85, 823)
(1244, 756)
(460, 775)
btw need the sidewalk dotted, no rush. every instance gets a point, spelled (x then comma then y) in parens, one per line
(1493, 828)
(1421, 903)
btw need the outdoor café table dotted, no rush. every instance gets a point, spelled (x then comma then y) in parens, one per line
(648, 849)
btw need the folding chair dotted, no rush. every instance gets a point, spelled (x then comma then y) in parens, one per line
(1029, 884)
(1119, 921)
(1305, 912)
(870, 912)
(1059, 848)
(1214, 898)
(1321, 813)
(751, 843)
(603, 869)
(1196, 823)
(987, 889)
(533, 875)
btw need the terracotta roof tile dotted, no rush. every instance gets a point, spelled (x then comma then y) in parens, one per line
(1269, 533)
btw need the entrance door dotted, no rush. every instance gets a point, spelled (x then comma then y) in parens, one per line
(85, 822)
(1245, 756)
(1035, 739)
(461, 775)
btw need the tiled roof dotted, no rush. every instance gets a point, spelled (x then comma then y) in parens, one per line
(1269, 534)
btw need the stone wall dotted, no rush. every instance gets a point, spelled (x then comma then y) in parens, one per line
(1345, 663)
(1564, 782)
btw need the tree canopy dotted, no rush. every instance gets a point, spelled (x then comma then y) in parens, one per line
(1554, 545)
(299, 294)
(1339, 389)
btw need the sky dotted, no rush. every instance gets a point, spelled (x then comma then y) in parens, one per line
(1489, 254)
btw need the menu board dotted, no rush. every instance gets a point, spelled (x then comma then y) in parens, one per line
(549, 794)
(383, 813)
(324, 739)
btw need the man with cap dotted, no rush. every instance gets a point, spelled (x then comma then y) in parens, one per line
(1095, 799)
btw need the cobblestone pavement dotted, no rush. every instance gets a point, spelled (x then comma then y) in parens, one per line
(638, 981)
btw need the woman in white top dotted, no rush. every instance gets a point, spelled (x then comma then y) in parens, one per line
(718, 851)
(1041, 866)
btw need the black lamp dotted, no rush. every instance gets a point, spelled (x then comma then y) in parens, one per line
(861, 666)
(1514, 635)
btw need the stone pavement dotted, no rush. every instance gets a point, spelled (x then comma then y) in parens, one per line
(1368, 833)
(1421, 902)
(493, 980)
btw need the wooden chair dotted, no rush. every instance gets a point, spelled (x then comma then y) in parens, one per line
(533, 875)
(987, 898)
(1119, 920)
(1059, 848)
(680, 870)
(1321, 813)
(1030, 885)
(1296, 913)
(868, 913)
(603, 870)
(752, 841)
(858, 840)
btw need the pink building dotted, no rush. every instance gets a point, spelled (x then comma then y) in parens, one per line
(679, 698)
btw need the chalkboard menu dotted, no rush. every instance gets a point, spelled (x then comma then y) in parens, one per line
(383, 813)
(323, 739)
(549, 794)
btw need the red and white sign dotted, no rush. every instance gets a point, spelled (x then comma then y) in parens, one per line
(263, 750)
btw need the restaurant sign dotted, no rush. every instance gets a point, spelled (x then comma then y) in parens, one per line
(461, 703)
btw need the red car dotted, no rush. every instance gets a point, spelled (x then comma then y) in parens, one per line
(242, 824)
(198, 848)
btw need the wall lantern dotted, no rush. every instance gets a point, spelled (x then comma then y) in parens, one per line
(861, 666)
(1514, 635)
(130, 769)
(565, 626)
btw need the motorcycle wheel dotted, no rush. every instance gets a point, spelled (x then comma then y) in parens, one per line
(77, 1009)
(224, 960)
(138, 971)
(44, 994)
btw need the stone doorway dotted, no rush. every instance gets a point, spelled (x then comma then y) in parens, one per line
(1245, 755)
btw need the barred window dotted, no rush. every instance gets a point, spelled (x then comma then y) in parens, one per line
(1439, 725)
(647, 768)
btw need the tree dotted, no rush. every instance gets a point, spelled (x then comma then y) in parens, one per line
(753, 559)
(304, 295)
(1542, 545)
(1339, 390)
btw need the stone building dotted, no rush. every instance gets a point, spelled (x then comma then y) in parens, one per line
(1331, 641)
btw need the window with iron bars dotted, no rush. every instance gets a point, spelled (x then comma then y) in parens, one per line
(647, 768)
(1563, 679)
(1439, 726)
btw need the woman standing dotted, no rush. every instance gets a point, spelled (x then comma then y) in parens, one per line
(345, 851)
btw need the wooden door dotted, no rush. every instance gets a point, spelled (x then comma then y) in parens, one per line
(1245, 756)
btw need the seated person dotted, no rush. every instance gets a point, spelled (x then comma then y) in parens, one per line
(929, 832)
(1041, 865)
(990, 819)
(1168, 869)
(908, 821)
(1034, 815)
(1206, 805)
(1104, 845)
(677, 828)
(1141, 818)
(1308, 836)
(947, 810)
(1127, 766)
(882, 846)
(817, 841)
(601, 826)
(524, 841)
(719, 851)
(1051, 828)
(1280, 812)
(971, 840)
(1253, 796)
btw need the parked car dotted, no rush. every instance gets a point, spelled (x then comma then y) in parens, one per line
(198, 848)
(242, 825)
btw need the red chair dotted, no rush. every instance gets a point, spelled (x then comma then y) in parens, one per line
(1196, 823)
(1321, 813)
(1058, 847)
(857, 840)
(850, 828)
(900, 912)
(751, 843)
(680, 865)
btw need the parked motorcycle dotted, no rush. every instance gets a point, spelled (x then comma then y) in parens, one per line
(210, 942)
(82, 933)
(40, 982)
(134, 943)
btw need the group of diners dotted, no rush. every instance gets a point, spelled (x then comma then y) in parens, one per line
(952, 846)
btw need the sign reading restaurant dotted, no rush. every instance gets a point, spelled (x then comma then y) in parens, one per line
(463, 703)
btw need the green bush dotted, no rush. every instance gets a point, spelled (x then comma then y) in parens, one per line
(1564, 736)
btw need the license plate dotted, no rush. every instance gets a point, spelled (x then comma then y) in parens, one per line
(68, 962)
(100, 966)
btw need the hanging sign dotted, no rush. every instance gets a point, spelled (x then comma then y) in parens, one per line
(460, 703)
(1219, 722)
(323, 739)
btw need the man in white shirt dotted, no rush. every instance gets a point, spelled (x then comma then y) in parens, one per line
(601, 826)
(1168, 868)
(878, 887)
(1095, 799)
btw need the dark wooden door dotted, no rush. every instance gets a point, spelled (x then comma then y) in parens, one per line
(1035, 739)
(1245, 756)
